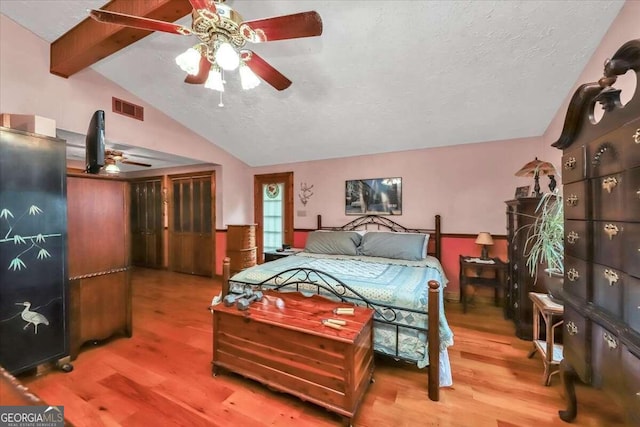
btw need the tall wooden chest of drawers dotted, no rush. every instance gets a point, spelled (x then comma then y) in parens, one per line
(601, 177)
(241, 246)
(520, 213)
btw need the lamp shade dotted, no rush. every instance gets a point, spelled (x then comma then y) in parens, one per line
(484, 238)
(189, 61)
(536, 167)
(227, 57)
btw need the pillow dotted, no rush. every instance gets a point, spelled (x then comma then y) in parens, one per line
(333, 242)
(408, 246)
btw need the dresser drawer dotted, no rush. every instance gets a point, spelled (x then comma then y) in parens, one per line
(604, 155)
(576, 238)
(608, 245)
(608, 197)
(631, 302)
(631, 372)
(631, 137)
(606, 361)
(573, 165)
(575, 200)
(631, 250)
(574, 337)
(632, 194)
(608, 285)
(241, 236)
(575, 277)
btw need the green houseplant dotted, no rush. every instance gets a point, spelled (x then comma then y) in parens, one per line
(544, 245)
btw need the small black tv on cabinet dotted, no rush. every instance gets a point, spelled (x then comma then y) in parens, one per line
(94, 143)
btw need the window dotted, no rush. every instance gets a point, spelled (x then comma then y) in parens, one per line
(273, 216)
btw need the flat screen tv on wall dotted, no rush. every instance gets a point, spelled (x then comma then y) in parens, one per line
(94, 143)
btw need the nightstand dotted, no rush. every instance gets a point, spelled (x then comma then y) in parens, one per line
(491, 272)
(273, 255)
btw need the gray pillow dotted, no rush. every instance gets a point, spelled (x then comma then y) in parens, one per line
(408, 246)
(333, 242)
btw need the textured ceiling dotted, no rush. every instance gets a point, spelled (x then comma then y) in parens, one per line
(384, 76)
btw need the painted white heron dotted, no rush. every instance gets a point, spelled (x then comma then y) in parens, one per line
(32, 317)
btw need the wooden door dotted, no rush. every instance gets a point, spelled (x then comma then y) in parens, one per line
(146, 223)
(284, 180)
(191, 225)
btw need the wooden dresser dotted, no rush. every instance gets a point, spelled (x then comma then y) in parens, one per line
(520, 212)
(601, 177)
(241, 246)
(99, 259)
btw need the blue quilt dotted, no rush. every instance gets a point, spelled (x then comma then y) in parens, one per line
(384, 281)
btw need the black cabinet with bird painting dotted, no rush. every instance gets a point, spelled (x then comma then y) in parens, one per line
(33, 233)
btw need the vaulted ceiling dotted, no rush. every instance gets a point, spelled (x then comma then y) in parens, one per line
(384, 76)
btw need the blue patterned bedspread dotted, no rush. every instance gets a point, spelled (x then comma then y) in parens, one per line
(380, 280)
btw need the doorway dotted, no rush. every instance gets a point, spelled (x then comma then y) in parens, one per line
(191, 223)
(273, 211)
(147, 222)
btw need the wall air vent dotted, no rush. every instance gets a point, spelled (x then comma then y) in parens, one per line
(127, 109)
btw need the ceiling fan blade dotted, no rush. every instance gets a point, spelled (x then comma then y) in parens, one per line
(203, 72)
(265, 71)
(138, 22)
(305, 24)
(129, 162)
(206, 5)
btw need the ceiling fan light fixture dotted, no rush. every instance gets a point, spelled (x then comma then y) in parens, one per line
(248, 78)
(214, 81)
(189, 61)
(112, 168)
(227, 57)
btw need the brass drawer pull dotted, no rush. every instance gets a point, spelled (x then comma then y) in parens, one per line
(571, 163)
(572, 237)
(611, 341)
(609, 183)
(572, 200)
(573, 275)
(572, 328)
(636, 136)
(611, 230)
(611, 276)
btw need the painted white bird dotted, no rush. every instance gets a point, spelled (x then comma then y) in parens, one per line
(32, 317)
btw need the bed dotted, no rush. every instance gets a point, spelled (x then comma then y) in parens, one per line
(375, 262)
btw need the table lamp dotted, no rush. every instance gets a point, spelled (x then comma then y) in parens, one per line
(484, 239)
(534, 169)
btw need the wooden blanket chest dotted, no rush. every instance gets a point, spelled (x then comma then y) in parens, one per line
(291, 350)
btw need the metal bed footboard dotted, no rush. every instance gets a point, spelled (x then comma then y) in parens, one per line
(306, 279)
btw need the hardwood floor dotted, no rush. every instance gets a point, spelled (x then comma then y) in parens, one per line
(162, 376)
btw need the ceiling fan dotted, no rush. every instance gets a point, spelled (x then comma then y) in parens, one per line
(222, 35)
(113, 157)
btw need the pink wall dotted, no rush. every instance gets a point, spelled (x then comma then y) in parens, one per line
(27, 87)
(466, 184)
(625, 27)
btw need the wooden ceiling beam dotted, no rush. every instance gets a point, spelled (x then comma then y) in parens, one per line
(90, 41)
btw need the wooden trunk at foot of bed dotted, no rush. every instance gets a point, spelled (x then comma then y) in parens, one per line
(433, 331)
(288, 348)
